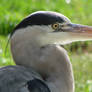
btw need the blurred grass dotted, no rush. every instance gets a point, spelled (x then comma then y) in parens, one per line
(78, 11)
(82, 66)
(12, 11)
(5, 56)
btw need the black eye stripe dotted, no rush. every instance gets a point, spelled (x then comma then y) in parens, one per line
(40, 18)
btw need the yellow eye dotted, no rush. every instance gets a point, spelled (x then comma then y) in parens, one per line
(55, 26)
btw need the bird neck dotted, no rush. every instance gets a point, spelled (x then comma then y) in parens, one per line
(57, 69)
(51, 62)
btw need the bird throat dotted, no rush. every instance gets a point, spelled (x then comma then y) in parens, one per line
(50, 61)
(56, 68)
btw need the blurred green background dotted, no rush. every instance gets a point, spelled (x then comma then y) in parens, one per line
(78, 11)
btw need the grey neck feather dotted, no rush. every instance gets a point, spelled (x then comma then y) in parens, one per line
(51, 62)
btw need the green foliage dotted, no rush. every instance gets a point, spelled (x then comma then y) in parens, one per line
(13, 11)
(82, 66)
(5, 56)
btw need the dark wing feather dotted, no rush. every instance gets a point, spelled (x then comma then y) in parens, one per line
(37, 85)
(21, 79)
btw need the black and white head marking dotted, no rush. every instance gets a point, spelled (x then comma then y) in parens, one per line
(41, 18)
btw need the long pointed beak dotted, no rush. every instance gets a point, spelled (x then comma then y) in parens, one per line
(68, 33)
(77, 28)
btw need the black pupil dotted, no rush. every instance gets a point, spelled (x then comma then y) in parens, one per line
(55, 25)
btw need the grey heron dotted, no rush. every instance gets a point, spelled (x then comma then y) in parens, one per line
(35, 42)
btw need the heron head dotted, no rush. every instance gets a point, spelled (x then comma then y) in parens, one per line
(48, 27)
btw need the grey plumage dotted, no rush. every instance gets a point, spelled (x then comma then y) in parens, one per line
(36, 43)
(21, 79)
